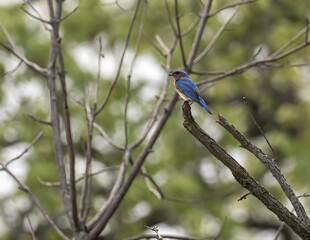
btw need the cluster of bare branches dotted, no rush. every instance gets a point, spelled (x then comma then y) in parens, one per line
(88, 227)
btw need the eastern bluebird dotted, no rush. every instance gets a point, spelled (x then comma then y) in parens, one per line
(187, 89)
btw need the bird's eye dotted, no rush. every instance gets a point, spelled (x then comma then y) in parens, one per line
(176, 72)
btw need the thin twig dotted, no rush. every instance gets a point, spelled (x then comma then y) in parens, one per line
(161, 43)
(191, 27)
(167, 236)
(57, 184)
(87, 184)
(179, 34)
(221, 230)
(15, 51)
(107, 137)
(35, 17)
(68, 14)
(28, 2)
(204, 17)
(130, 75)
(147, 37)
(31, 228)
(25, 188)
(291, 41)
(244, 196)
(156, 231)
(14, 69)
(270, 165)
(34, 141)
(231, 6)
(121, 61)
(90, 116)
(39, 120)
(207, 72)
(276, 237)
(304, 195)
(259, 128)
(217, 35)
(170, 18)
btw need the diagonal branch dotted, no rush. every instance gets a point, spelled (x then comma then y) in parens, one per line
(121, 61)
(270, 165)
(243, 177)
(231, 6)
(217, 35)
(13, 49)
(198, 35)
(25, 188)
(34, 141)
(263, 62)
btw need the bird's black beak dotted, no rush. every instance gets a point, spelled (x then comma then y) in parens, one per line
(170, 74)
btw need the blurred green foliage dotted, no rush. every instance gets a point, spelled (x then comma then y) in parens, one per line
(278, 98)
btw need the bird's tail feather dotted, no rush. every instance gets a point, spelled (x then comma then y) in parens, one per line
(204, 105)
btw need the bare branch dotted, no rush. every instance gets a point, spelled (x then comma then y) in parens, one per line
(57, 184)
(25, 188)
(14, 69)
(244, 196)
(102, 217)
(197, 39)
(259, 128)
(269, 61)
(69, 14)
(207, 72)
(31, 228)
(270, 165)
(130, 75)
(231, 6)
(190, 28)
(159, 103)
(28, 2)
(168, 236)
(39, 120)
(121, 61)
(34, 141)
(170, 18)
(294, 39)
(304, 195)
(161, 43)
(150, 182)
(242, 176)
(35, 17)
(15, 51)
(179, 34)
(217, 35)
(87, 184)
(107, 137)
(156, 231)
(147, 37)
(279, 231)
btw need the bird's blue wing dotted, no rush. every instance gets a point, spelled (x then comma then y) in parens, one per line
(188, 88)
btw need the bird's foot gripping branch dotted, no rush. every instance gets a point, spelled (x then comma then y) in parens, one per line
(300, 224)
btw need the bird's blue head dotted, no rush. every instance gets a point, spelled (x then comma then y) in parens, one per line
(177, 74)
